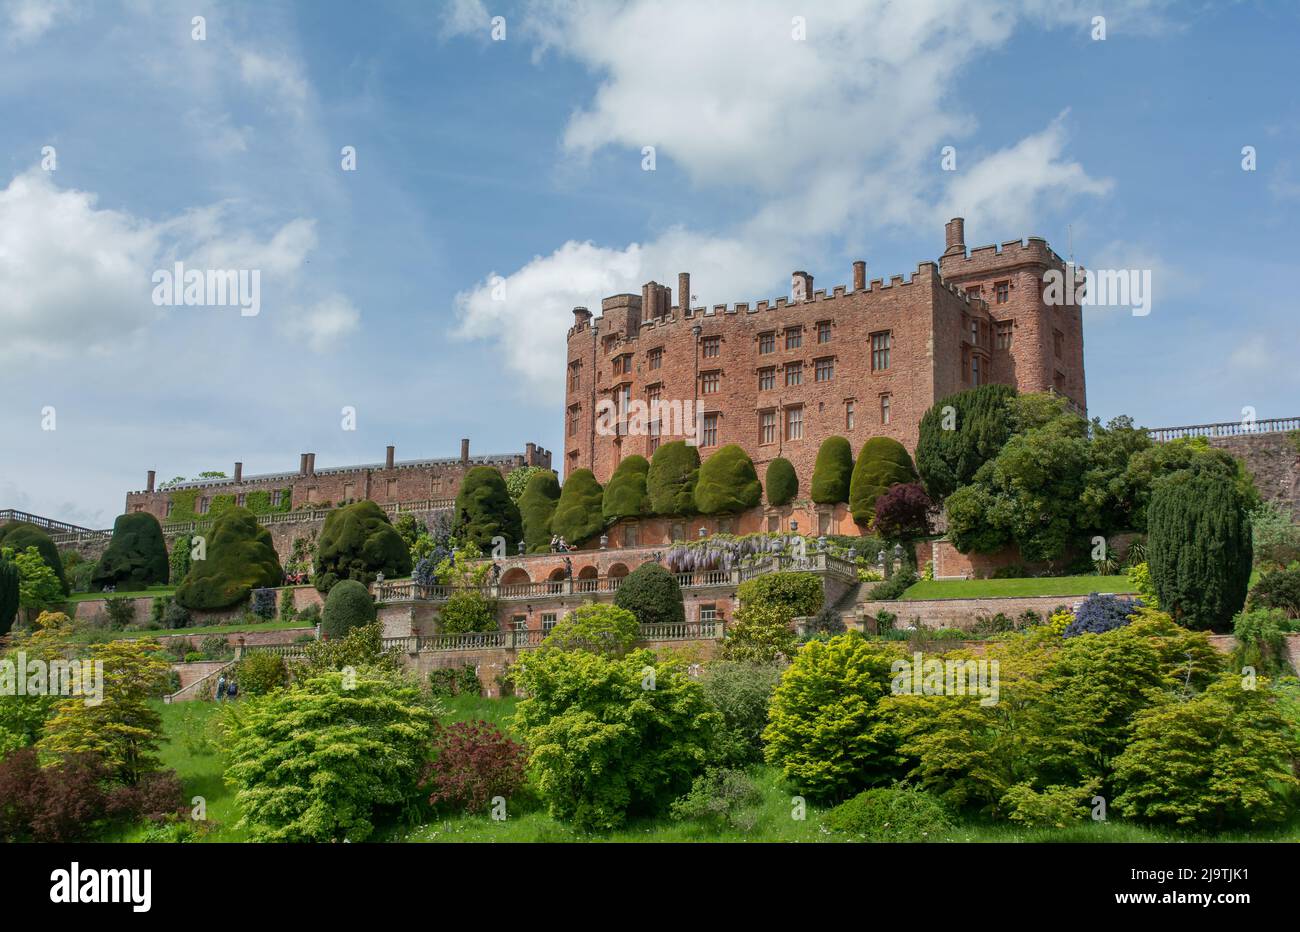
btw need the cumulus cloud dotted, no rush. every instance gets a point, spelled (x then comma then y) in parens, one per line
(324, 324)
(838, 133)
(77, 277)
(28, 20)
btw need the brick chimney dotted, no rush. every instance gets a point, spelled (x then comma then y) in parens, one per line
(580, 316)
(954, 235)
(389, 456)
(302, 464)
(683, 291)
(801, 287)
(148, 482)
(859, 276)
(464, 450)
(239, 472)
(311, 464)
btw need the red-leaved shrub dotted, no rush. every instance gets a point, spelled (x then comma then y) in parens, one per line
(473, 762)
(903, 512)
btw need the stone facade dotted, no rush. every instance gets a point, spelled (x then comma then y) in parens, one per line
(386, 483)
(1274, 460)
(779, 377)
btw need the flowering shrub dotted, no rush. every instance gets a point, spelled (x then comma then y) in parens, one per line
(1061, 619)
(472, 763)
(1100, 613)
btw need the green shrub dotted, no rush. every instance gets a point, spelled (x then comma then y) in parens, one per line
(761, 631)
(8, 595)
(781, 482)
(178, 560)
(577, 514)
(833, 472)
(721, 798)
(136, 557)
(318, 761)
(1261, 641)
(794, 594)
(897, 813)
(625, 494)
(1052, 807)
(484, 510)
(674, 471)
(1199, 542)
(604, 744)
(455, 681)
(597, 629)
(357, 542)
(1224, 758)
(466, 611)
(826, 730)
(261, 672)
(175, 615)
(536, 506)
(120, 612)
(1279, 589)
(883, 462)
(740, 693)
(348, 606)
(20, 535)
(240, 558)
(652, 594)
(949, 452)
(727, 483)
(518, 478)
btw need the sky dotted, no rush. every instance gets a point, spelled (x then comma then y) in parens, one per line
(426, 190)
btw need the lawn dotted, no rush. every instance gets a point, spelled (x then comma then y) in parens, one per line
(1015, 588)
(151, 592)
(191, 749)
(97, 635)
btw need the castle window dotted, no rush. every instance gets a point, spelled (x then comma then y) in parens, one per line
(1002, 291)
(767, 379)
(170, 505)
(240, 499)
(1058, 343)
(202, 507)
(1059, 383)
(973, 290)
(710, 430)
(390, 491)
(848, 414)
(767, 427)
(793, 337)
(653, 393)
(824, 370)
(794, 423)
(766, 343)
(548, 621)
(656, 357)
(654, 436)
(793, 373)
(886, 402)
(277, 498)
(880, 346)
(1004, 334)
(575, 376)
(632, 535)
(975, 333)
(975, 370)
(709, 383)
(823, 331)
(708, 612)
(711, 347)
(575, 412)
(435, 486)
(137, 508)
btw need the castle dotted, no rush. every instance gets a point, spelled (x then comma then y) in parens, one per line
(416, 484)
(779, 377)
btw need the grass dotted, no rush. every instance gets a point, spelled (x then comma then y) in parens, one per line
(99, 634)
(191, 749)
(1015, 588)
(151, 592)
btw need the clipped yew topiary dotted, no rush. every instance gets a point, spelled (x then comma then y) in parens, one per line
(728, 483)
(536, 506)
(136, 557)
(882, 462)
(578, 514)
(833, 472)
(20, 535)
(674, 470)
(954, 443)
(357, 542)
(652, 594)
(484, 510)
(626, 495)
(347, 606)
(781, 482)
(1199, 549)
(239, 557)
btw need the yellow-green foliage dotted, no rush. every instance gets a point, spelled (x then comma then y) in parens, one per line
(1139, 576)
(1060, 620)
(826, 730)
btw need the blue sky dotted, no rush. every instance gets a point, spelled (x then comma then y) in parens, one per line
(522, 159)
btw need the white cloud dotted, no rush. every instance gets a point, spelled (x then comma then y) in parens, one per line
(75, 277)
(1255, 355)
(28, 20)
(465, 18)
(324, 324)
(280, 76)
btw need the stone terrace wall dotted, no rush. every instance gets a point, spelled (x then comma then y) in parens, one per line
(1274, 460)
(961, 613)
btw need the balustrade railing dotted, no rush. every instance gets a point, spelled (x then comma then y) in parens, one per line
(1225, 429)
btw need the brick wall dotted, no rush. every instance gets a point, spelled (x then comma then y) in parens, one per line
(961, 613)
(1274, 460)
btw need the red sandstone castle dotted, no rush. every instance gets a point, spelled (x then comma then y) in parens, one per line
(779, 377)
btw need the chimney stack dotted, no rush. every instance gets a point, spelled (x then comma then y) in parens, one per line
(580, 316)
(859, 276)
(684, 291)
(302, 464)
(148, 482)
(801, 287)
(955, 236)
(530, 454)
(239, 472)
(464, 450)
(389, 456)
(311, 464)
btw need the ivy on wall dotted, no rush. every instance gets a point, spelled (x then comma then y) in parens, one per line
(259, 503)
